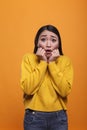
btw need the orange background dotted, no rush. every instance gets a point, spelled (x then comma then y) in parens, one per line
(19, 21)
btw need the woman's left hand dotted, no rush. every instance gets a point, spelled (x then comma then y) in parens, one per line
(54, 56)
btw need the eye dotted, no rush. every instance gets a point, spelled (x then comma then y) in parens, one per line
(53, 40)
(43, 39)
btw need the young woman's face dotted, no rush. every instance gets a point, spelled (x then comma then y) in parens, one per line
(48, 41)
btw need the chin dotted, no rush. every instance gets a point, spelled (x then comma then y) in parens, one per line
(48, 56)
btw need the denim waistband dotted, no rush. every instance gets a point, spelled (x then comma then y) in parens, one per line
(48, 114)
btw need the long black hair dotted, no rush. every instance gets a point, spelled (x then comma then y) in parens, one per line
(49, 28)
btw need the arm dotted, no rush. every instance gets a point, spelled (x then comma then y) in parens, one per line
(62, 76)
(31, 78)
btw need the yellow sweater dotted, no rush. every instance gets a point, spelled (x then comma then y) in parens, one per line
(46, 85)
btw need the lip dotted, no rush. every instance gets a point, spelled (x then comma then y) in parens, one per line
(48, 51)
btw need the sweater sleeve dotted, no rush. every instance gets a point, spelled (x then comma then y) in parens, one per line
(62, 76)
(31, 77)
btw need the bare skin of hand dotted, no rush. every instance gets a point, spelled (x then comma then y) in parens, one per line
(54, 56)
(41, 54)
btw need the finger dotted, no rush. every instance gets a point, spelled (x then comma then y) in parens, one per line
(42, 51)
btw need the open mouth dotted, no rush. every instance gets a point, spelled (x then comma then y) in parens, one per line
(48, 51)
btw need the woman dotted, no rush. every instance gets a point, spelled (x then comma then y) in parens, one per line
(46, 81)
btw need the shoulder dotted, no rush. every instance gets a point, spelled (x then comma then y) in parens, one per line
(64, 59)
(29, 56)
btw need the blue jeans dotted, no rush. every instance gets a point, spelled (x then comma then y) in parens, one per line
(35, 120)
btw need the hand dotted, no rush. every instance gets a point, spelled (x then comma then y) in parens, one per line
(54, 56)
(41, 54)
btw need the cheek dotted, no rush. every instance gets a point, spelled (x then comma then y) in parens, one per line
(55, 46)
(40, 44)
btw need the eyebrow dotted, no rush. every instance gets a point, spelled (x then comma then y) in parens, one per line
(50, 35)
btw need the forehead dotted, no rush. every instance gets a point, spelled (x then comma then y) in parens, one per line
(46, 33)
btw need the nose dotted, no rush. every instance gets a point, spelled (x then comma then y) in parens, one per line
(48, 44)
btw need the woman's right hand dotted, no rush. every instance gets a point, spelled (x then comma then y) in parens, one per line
(41, 54)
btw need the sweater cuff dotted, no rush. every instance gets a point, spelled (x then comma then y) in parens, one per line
(52, 66)
(43, 63)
